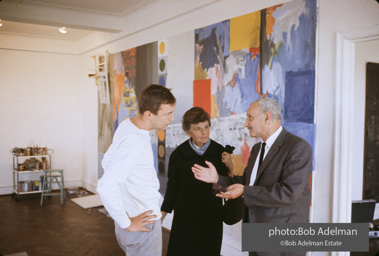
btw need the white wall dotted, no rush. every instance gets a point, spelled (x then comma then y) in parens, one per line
(88, 121)
(334, 16)
(40, 101)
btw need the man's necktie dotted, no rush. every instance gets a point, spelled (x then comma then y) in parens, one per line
(262, 154)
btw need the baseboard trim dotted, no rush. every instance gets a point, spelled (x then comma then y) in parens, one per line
(7, 190)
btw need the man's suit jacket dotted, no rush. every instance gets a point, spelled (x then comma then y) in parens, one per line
(281, 192)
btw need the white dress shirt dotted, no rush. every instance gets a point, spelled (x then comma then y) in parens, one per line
(269, 142)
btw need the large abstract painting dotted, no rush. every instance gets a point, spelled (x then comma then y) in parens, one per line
(268, 53)
(131, 71)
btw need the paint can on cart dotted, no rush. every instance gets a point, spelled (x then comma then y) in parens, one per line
(36, 185)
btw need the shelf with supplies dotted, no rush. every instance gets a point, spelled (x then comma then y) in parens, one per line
(28, 169)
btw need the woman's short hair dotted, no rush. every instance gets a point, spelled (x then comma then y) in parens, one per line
(194, 115)
(152, 97)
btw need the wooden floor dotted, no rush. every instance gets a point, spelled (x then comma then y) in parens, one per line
(55, 230)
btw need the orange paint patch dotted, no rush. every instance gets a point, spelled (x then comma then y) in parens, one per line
(161, 135)
(254, 51)
(258, 82)
(245, 152)
(117, 92)
(202, 94)
(270, 20)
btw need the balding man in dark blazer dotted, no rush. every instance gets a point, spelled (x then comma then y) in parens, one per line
(275, 184)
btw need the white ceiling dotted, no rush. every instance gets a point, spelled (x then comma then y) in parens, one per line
(43, 18)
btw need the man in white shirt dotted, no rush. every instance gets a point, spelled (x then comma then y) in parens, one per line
(275, 185)
(129, 188)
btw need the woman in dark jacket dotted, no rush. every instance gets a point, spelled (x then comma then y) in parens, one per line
(197, 224)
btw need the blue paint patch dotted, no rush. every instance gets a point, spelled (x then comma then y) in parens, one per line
(300, 54)
(247, 85)
(304, 131)
(208, 38)
(237, 100)
(299, 98)
(162, 80)
(220, 102)
(124, 113)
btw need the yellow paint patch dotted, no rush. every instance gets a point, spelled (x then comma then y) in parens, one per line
(245, 31)
(214, 108)
(200, 73)
(162, 47)
(238, 164)
(161, 151)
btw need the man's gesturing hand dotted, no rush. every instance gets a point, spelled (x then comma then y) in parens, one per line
(208, 175)
(233, 191)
